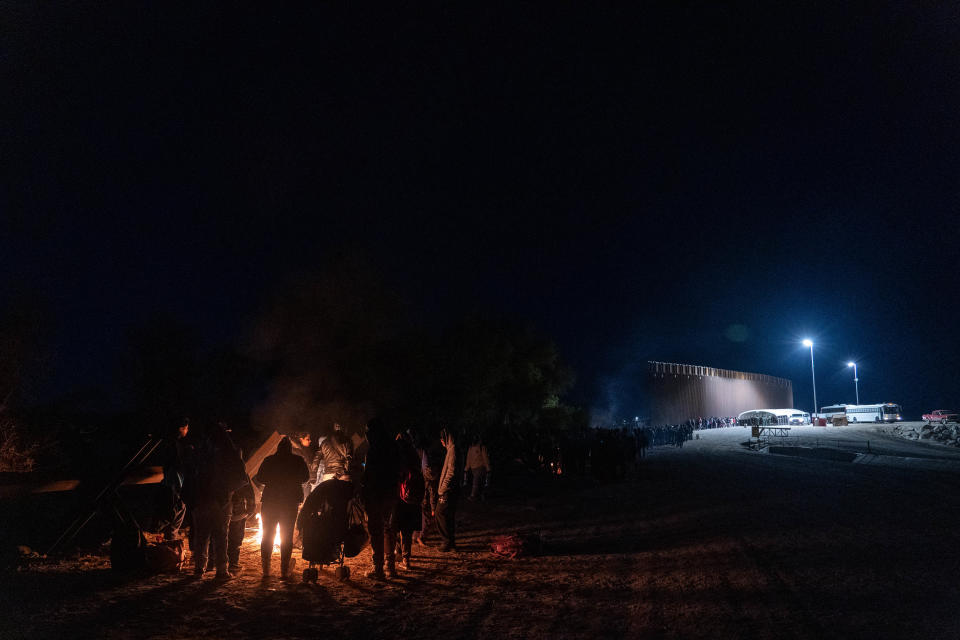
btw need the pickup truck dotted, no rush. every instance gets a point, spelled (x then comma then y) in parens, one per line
(943, 416)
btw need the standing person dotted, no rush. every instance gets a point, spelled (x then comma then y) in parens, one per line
(243, 506)
(282, 475)
(478, 466)
(380, 490)
(407, 514)
(303, 447)
(337, 457)
(432, 458)
(448, 493)
(173, 508)
(217, 471)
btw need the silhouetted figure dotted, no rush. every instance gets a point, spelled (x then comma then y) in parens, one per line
(431, 464)
(217, 470)
(478, 466)
(407, 517)
(243, 506)
(282, 475)
(172, 508)
(381, 479)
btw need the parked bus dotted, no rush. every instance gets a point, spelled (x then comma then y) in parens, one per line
(764, 417)
(885, 412)
(833, 410)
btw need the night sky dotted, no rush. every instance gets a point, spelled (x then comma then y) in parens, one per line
(691, 183)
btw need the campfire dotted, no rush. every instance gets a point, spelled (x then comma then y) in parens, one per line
(276, 535)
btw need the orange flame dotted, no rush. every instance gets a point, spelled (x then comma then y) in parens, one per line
(276, 536)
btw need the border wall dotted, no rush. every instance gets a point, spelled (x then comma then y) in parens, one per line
(678, 392)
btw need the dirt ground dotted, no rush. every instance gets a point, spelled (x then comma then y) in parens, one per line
(708, 541)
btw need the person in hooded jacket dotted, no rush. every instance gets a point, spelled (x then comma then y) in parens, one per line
(282, 476)
(380, 491)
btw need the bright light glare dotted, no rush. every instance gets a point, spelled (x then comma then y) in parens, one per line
(808, 343)
(849, 364)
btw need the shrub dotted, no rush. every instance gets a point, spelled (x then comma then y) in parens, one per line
(15, 456)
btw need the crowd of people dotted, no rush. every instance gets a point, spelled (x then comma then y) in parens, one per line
(608, 453)
(406, 487)
(713, 422)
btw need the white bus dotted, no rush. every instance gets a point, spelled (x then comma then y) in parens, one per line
(885, 412)
(774, 417)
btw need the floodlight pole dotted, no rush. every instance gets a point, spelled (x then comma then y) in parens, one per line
(813, 374)
(856, 380)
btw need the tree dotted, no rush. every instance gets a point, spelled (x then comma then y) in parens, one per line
(21, 357)
(500, 380)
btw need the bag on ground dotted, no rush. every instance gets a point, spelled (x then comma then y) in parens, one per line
(516, 545)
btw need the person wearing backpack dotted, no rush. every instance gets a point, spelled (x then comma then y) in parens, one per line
(282, 476)
(407, 513)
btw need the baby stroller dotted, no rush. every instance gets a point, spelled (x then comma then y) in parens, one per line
(331, 524)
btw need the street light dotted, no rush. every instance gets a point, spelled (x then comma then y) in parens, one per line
(809, 343)
(856, 381)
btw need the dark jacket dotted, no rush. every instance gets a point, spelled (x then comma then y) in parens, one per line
(381, 475)
(412, 485)
(283, 475)
(308, 458)
(338, 458)
(244, 503)
(214, 470)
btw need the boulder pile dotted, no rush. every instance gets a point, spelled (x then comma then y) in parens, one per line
(944, 433)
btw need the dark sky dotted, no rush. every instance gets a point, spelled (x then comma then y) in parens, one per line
(632, 181)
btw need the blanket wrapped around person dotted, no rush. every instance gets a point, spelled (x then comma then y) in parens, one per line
(330, 517)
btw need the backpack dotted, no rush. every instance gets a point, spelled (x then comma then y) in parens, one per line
(164, 557)
(356, 538)
(412, 487)
(516, 545)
